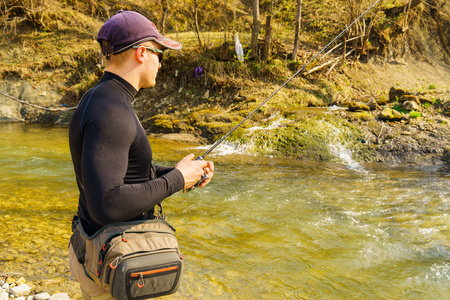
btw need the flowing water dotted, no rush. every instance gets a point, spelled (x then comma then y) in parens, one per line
(265, 228)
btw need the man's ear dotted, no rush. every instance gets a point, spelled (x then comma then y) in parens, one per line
(140, 54)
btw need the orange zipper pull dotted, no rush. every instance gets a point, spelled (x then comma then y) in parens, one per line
(141, 279)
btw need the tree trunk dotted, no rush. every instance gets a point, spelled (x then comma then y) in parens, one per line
(226, 20)
(196, 27)
(164, 15)
(298, 22)
(268, 39)
(234, 17)
(255, 29)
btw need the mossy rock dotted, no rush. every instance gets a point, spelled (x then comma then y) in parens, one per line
(361, 117)
(358, 106)
(308, 138)
(167, 123)
(389, 114)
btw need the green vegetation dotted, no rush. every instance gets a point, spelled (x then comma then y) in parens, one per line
(400, 109)
(415, 114)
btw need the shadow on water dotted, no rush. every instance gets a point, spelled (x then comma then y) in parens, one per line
(266, 227)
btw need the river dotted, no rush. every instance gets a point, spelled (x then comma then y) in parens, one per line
(265, 228)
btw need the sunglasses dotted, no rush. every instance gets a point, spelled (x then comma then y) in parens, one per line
(158, 52)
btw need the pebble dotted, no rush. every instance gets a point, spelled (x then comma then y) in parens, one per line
(42, 296)
(20, 290)
(60, 296)
(11, 289)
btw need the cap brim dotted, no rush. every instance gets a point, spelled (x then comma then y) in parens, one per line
(167, 43)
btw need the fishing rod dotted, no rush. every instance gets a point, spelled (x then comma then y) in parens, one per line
(217, 143)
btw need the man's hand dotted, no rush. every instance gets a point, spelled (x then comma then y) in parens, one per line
(192, 170)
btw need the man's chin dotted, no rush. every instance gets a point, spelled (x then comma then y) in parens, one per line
(148, 85)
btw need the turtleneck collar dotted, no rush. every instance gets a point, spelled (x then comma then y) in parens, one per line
(122, 83)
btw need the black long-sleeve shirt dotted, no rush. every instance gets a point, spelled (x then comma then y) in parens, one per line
(112, 158)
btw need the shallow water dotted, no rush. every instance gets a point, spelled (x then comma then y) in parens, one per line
(265, 228)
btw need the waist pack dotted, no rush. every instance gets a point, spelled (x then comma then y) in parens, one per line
(132, 260)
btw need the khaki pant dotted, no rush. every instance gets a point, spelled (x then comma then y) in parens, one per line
(89, 289)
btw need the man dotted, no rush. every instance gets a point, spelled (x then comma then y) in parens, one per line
(110, 151)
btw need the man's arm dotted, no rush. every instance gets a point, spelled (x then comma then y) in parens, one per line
(106, 143)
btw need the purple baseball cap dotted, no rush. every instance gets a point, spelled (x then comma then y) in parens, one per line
(129, 28)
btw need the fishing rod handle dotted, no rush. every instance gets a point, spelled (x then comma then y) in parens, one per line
(202, 178)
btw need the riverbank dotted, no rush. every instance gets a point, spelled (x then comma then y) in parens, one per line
(405, 123)
(339, 104)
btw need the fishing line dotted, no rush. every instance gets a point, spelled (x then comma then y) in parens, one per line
(204, 177)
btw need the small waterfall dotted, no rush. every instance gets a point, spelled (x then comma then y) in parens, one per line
(339, 145)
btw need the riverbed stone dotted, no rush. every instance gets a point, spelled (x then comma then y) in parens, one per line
(42, 296)
(358, 106)
(52, 282)
(389, 114)
(406, 98)
(4, 296)
(373, 104)
(395, 94)
(20, 281)
(60, 296)
(410, 105)
(21, 290)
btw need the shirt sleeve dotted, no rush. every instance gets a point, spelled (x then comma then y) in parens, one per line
(160, 170)
(106, 143)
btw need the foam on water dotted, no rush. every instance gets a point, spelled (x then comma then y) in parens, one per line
(277, 123)
(225, 148)
(338, 146)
